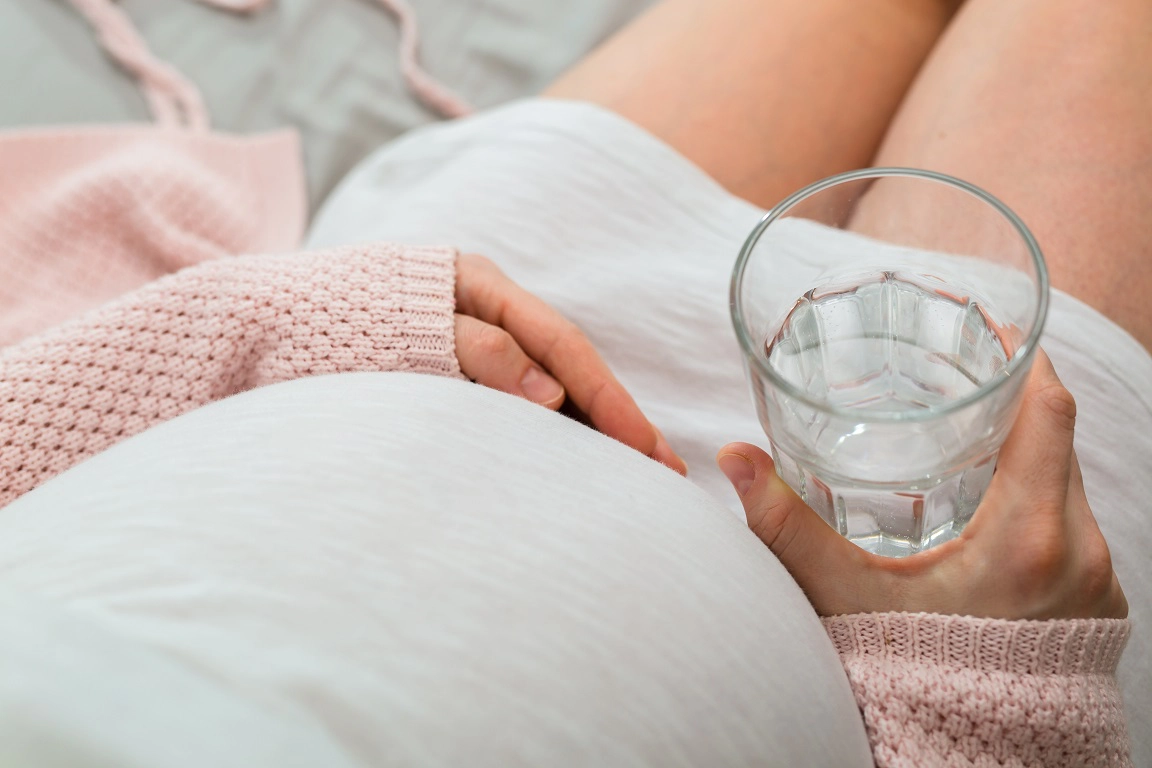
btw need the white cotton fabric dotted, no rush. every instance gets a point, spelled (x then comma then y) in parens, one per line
(395, 569)
(636, 245)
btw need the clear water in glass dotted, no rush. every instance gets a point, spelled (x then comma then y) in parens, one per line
(897, 343)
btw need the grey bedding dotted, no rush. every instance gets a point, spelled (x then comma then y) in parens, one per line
(328, 67)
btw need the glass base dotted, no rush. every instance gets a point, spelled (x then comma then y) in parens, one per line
(893, 522)
(887, 545)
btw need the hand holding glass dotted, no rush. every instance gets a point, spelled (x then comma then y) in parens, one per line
(888, 319)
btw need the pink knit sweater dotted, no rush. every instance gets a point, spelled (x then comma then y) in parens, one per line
(957, 691)
(211, 331)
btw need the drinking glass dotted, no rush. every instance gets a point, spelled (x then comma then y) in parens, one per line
(888, 319)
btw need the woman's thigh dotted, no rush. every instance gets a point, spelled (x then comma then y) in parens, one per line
(441, 574)
(1048, 105)
(764, 95)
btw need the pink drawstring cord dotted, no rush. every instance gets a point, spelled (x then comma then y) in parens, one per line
(175, 101)
(241, 6)
(425, 87)
(434, 94)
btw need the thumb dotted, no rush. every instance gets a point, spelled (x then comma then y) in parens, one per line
(806, 545)
(1036, 461)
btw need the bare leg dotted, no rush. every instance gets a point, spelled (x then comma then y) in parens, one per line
(764, 95)
(1047, 104)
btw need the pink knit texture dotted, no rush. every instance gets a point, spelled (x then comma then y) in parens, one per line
(212, 331)
(959, 691)
(89, 214)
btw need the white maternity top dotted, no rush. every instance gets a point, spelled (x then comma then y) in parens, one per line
(636, 245)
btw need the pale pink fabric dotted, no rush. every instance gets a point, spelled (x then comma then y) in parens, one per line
(430, 91)
(89, 214)
(214, 330)
(959, 691)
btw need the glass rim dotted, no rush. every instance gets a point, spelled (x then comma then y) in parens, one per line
(1018, 362)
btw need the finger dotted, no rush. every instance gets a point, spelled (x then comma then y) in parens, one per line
(485, 293)
(664, 454)
(1035, 464)
(490, 356)
(829, 568)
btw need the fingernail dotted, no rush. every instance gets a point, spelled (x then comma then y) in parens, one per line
(540, 388)
(738, 470)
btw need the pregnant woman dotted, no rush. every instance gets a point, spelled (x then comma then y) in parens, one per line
(383, 568)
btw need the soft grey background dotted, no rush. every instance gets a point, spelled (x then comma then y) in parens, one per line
(328, 67)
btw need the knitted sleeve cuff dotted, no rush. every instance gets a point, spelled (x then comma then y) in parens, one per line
(425, 302)
(956, 690)
(1064, 647)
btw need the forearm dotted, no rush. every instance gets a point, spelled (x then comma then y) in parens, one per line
(212, 331)
(955, 690)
